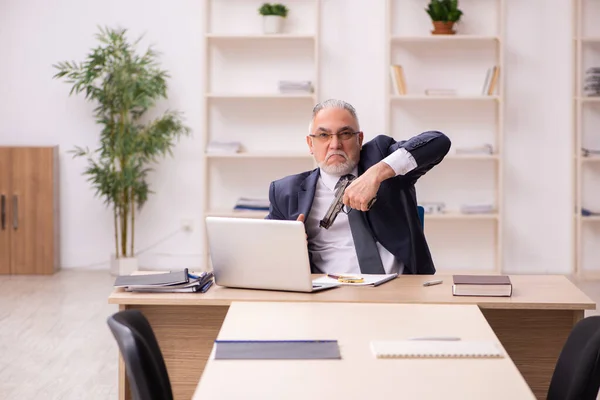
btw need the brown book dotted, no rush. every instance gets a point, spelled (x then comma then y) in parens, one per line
(482, 285)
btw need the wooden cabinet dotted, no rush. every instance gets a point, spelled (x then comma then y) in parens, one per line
(29, 236)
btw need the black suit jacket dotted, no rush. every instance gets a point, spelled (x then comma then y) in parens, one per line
(393, 218)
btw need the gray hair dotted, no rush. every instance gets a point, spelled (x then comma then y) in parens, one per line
(332, 103)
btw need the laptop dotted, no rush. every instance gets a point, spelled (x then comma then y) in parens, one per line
(261, 254)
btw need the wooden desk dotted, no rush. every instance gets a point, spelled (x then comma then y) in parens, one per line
(532, 325)
(359, 374)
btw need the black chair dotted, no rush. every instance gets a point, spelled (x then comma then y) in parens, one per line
(144, 363)
(577, 372)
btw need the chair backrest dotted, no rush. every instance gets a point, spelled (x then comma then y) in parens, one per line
(421, 212)
(577, 372)
(144, 363)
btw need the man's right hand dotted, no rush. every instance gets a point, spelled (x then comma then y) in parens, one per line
(301, 219)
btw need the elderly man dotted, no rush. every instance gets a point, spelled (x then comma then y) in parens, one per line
(388, 236)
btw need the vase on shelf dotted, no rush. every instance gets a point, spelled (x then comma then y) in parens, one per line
(443, 28)
(272, 24)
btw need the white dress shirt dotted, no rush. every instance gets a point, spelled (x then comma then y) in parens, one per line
(333, 249)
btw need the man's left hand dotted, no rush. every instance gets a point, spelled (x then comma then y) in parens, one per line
(364, 188)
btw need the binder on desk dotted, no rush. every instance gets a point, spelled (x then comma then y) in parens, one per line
(168, 278)
(171, 282)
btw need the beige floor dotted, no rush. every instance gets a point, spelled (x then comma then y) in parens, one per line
(54, 341)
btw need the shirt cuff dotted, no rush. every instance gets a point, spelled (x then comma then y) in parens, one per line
(401, 161)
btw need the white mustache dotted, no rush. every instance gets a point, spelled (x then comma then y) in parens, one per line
(336, 152)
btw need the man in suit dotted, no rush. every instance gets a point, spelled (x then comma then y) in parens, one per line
(388, 236)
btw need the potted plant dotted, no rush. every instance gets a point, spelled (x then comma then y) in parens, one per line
(273, 16)
(124, 86)
(444, 14)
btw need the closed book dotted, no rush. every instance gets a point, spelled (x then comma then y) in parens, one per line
(482, 285)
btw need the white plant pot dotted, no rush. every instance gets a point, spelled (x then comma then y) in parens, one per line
(123, 265)
(272, 24)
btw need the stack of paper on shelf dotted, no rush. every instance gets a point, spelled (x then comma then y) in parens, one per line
(170, 282)
(440, 92)
(223, 147)
(477, 208)
(244, 203)
(295, 86)
(484, 149)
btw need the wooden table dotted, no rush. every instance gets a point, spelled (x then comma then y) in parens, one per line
(359, 374)
(532, 325)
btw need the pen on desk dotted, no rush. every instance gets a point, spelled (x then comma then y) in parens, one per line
(431, 283)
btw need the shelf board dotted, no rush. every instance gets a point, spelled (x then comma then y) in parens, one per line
(251, 96)
(254, 36)
(260, 154)
(590, 218)
(589, 39)
(595, 99)
(444, 38)
(459, 215)
(419, 97)
(590, 159)
(473, 157)
(237, 214)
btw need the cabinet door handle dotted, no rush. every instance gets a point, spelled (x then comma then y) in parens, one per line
(15, 212)
(2, 212)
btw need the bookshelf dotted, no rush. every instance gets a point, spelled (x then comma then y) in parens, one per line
(586, 108)
(470, 116)
(243, 102)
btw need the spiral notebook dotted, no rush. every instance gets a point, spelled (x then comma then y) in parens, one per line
(435, 349)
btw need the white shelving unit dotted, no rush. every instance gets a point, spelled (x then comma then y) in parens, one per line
(243, 103)
(458, 241)
(586, 45)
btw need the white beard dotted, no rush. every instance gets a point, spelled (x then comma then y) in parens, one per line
(338, 169)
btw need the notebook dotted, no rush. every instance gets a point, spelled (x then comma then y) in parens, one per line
(276, 349)
(482, 285)
(435, 349)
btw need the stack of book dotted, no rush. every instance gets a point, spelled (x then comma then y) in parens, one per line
(170, 282)
(477, 208)
(223, 147)
(244, 203)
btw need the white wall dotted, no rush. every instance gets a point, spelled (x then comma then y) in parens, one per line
(34, 109)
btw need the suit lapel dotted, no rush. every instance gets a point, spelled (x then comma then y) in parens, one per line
(306, 194)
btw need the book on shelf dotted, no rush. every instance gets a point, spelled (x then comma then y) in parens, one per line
(398, 81)
(482, 285)
(491, 81)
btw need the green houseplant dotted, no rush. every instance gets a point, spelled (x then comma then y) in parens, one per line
(125, 86)
(444, 14)
(273, 17)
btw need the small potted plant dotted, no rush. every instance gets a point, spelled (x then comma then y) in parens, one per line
(273, 16)
(444, 14)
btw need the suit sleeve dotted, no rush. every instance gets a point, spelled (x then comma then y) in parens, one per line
(274, 212)
(423, 152)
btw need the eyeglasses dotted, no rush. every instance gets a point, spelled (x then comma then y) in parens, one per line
(326, 137)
